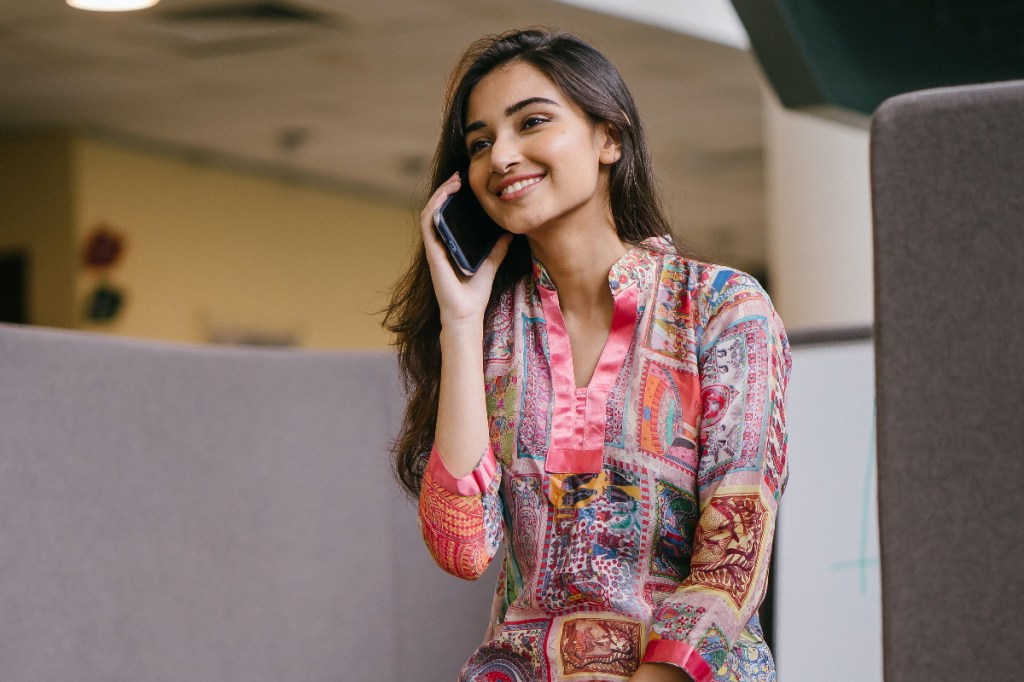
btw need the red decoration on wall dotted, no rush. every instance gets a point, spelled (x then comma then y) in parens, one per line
(103, 248)
(101, 253)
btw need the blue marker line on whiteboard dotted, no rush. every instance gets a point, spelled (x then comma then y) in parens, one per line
(864, 562)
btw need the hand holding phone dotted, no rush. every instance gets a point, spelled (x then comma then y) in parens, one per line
(467, 231)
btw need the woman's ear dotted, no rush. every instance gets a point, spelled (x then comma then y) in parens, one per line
(610, 140)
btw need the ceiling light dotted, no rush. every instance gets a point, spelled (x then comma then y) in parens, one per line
(111, 5)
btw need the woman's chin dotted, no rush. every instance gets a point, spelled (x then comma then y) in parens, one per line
(525, 225)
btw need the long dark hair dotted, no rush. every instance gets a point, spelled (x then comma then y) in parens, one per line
(413, 316)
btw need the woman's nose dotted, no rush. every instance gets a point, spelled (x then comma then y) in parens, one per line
(505, 154)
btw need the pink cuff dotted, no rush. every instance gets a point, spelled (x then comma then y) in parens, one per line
(681, 655)
(473, 483)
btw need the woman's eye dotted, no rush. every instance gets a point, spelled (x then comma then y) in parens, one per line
(477, 145)
(531, 121)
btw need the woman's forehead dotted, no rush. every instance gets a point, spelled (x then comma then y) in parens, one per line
(505, 86)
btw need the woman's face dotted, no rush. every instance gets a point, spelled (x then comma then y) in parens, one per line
(536, 160)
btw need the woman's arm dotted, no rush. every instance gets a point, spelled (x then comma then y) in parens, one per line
(744, 366)
(459, 514)
(461, 435)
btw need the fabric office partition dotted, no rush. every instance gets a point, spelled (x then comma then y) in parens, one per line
(948, 185)
(210, 514)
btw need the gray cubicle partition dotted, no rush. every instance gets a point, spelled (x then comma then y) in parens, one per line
(212, 515)
(948, 185)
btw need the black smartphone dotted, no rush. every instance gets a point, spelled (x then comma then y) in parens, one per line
(466, 229)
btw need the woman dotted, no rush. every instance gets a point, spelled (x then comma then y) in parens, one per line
(609, 408)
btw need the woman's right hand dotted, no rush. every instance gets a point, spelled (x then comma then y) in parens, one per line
(462, 298)
(461, 434)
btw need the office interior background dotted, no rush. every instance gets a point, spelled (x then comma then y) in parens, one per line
(235, 172)
(262, 163)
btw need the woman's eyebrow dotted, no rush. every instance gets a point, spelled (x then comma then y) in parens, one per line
(511, 109)
(527, 102)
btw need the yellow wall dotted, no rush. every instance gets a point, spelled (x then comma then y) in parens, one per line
(213, 252)
(36, 198)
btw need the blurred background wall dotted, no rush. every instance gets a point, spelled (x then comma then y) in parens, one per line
(256, 158)
(210, 254)
(257, 203)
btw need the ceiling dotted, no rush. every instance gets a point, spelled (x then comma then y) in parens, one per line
(347, 94)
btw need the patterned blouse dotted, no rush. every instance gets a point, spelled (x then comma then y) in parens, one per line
(637, 513)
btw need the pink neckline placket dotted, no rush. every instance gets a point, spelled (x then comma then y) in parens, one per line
(578, 419)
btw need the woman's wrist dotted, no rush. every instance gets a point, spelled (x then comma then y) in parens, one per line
(462, 328)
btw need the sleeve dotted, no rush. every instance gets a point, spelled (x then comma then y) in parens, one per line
(460, 518)
(744, 364)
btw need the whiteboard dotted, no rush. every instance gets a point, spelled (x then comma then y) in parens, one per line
(828, 608)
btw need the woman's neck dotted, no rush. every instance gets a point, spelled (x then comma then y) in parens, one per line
(578, 261)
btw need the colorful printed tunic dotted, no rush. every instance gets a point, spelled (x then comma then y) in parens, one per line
(637, 513)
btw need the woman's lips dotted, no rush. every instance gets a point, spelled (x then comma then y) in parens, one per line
(513, 186)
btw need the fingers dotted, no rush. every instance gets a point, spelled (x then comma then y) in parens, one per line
(431, 241)
(500, 250)
(437, 199)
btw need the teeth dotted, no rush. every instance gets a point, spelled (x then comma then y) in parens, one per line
(516, 186)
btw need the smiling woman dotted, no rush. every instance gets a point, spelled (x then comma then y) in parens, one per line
(536, 160)
(608, 406)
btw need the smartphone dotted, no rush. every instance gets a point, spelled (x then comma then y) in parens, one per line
(466, 229)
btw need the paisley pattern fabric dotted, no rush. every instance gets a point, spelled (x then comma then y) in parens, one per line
(637, 513)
